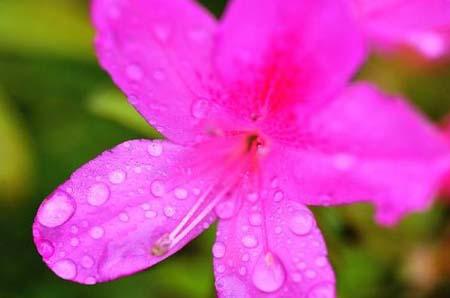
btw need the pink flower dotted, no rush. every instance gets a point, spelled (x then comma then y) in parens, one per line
(420, 24)
(446, 131)
(255, 131)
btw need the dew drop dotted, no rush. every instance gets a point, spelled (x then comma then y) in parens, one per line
(180, 193)
(90, 280)
(56, 210)
(74, 241)
(65, 269)
(321, 261)
(268, 275)
(87, 262)
(157, 188)
(252, 197)
(249, 241)
(242, 271)
(45, 248)
(98, 194)
(169, 211)
(155, 148)
(278, 196)
(117, 177)
(123, 217)
(311, 274)
(324, 290)
(134, 72)
(220, 268)
(301, 222)
(200, 108)
(218, 250)
(150, 214)
(255, 219)
(97, 232)
(297, 277)
(226, 208)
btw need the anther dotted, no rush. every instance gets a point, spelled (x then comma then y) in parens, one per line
(161, 246)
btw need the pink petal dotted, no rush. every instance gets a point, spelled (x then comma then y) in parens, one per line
(422, 24)
(285, 51)
(446, 130)
(103, 222)
(365, 146)
(158, 53)
(272, 249)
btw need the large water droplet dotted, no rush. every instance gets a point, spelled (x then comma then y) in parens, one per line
(200, 108)
(324, 290)
(268, 275)
(218, 250)
(98, 194)
(117, 177)
(301, 222)
(157, 188)
(155, 148)
(56, 210)
(65, 269)
(249, 241)
(97, 232)
(45, 248)
(134, 72)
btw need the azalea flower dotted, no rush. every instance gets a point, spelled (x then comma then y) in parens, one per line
(421, 24)
(259, 124)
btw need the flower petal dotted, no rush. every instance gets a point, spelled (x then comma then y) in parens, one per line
(365, 146)
(103, 222)
(422, 24)
(446, 130)
(158, 53)
(287, 51)
(272, 249)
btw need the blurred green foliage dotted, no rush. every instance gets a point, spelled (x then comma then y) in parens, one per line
(58, 109)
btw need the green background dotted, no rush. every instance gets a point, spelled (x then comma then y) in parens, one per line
(58, 110)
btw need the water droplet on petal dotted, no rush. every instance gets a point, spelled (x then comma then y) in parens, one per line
(249, 241)
(226, 208)
(117, 177)
(321, 261)
(90, 280)
(134, 72)
(56, 210)
(242, 271)
(180, 193)
(45, 248)
(157, 188)
(124, 217)
(278, 196)
(218, 250)
(169, 211)
(268, 275)
(200, 108)
(297, 277)
(87, 262)
(301, 222)
(159, 75)
(255, 219)
(98, 194)
(252, 197)
(324, 290)
(274, 182)
(155, 149)
(150, 214)
(74, 241)
(65, 269)
(220, 268)
(310, 274)
(97, 232)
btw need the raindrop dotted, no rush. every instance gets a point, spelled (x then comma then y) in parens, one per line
(157, 188)
(65, 269)
(297, 277)
(255, 219)
(150, 214)
(56, 210)
(252, 197)
(242, 270)
(87, 262)
(245, 257)
(134, 72)
(200, 108)
(301, 223)
(98, 194)
(180, 193)
(169, 211)
(117, 177)
(321, 261)
(268, 275)
(124, 217)
(278, 196)
(45, 248)
(220, 268)
(97, 232)
(249, 241)
(74, 241)
(155, 148)
(226, 208)
(218, 250)
(90, 280)
(310, 274)
(324, 290)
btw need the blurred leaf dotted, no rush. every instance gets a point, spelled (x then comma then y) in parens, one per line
(15, 156)
(46, 26)
(111, 104)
